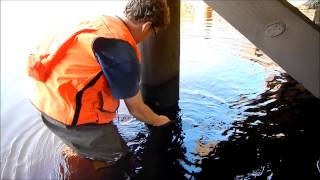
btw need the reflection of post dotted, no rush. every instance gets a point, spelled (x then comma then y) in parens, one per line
(208, 21)
(160, 67)
(208, 13)
(163, 152)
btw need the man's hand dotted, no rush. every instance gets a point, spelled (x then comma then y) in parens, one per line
(142, 112)
(162, 120)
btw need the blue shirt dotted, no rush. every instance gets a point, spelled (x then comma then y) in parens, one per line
(120, 65)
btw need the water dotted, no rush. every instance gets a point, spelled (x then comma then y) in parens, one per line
(240, 116)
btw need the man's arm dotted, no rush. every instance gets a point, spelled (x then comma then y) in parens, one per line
(121, 68)
(141, 111)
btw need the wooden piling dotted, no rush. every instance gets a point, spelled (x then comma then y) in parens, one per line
(160, 63)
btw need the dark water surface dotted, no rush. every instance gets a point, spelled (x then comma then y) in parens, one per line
(240, 116)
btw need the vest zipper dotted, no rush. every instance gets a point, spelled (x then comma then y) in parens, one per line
(79, 98)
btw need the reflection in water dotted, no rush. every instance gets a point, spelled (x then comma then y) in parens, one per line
(208, 22)
(164, 150)
(278, 144)
(208, 14)
(240, 116)
(76, 167)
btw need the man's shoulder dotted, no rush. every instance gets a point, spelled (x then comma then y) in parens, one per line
(113, 46)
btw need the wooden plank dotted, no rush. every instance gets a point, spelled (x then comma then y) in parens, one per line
(281, 31)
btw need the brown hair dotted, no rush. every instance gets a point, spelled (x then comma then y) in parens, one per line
(155, 11)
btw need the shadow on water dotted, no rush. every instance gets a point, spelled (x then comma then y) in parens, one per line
(280, 143)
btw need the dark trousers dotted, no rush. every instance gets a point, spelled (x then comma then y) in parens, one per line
(100, 142)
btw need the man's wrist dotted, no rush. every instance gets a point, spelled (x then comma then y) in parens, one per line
(161, 120)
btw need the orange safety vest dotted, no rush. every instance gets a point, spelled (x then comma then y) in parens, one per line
(70, 85)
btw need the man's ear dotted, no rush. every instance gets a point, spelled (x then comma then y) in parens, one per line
(146, 26)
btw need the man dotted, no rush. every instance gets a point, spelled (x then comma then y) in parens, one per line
(80, 80)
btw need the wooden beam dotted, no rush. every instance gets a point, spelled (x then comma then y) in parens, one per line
(281, 31)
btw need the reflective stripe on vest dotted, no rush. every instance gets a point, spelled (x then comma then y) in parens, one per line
(70, 85)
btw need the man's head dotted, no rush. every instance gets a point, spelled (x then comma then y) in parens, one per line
(150, 15)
